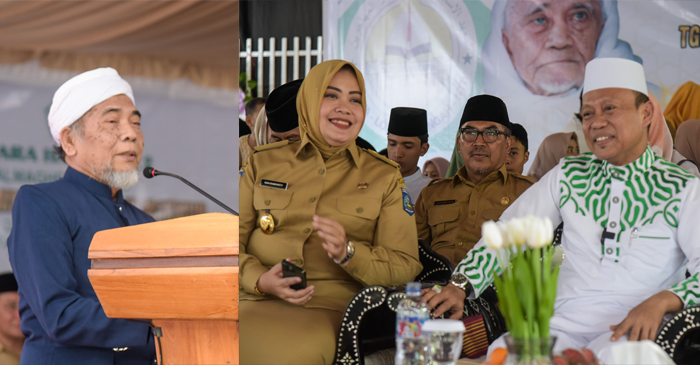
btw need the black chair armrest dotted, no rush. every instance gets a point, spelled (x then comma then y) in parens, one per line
(348, 349)
(680, 336)
(369, 321)
(436, 267)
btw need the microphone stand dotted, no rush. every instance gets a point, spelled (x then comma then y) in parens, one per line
(150, 172)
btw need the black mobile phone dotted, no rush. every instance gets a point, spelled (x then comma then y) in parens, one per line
(290, 270)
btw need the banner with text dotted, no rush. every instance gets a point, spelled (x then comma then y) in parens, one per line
(435, 54)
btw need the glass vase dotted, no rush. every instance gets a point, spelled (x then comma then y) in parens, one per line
(531, 351)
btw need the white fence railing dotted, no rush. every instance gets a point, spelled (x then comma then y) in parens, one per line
(273, 55)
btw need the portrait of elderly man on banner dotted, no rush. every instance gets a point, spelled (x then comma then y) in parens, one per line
(536, 53)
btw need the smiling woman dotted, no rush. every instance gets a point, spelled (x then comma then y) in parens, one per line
(342, 113)
(337, 211)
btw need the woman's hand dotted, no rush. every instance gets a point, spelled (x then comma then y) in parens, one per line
(336, 243)
(272, 282)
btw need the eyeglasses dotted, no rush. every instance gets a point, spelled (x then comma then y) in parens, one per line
(489, 135)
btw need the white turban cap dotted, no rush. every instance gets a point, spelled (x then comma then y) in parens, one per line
(603, 73)
(79, 94)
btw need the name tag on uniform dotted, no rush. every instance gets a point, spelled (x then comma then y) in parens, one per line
(274, 184)
(444, 202)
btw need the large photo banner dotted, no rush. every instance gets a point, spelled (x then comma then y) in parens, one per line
(435, 54)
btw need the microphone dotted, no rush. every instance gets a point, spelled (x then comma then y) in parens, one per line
(150, 172)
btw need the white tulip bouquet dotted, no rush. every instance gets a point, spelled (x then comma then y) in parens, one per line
(528, 284)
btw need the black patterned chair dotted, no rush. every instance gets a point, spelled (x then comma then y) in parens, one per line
(680, 336)
(369, 321)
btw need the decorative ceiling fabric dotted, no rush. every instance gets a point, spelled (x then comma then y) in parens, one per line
(160, 39)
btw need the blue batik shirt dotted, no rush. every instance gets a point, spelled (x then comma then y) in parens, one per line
(53, 225)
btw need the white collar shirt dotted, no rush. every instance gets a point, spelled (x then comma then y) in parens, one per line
(415, 183)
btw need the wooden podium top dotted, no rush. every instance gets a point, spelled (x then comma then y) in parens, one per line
(185, 268)
(212, 234)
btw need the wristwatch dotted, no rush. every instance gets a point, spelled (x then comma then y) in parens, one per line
(460, 281)
(350, 252)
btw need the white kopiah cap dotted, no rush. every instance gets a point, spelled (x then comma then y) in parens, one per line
(603, 73)
(79, 94)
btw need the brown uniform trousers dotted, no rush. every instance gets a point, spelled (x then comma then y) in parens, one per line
(450, 212)
(361, 190)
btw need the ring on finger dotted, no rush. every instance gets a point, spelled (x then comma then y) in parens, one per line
(437, 288)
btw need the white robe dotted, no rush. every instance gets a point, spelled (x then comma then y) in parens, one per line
(650, 205)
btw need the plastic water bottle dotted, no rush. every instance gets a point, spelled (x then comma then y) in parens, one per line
(411, 313)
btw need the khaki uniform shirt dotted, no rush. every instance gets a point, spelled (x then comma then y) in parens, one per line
(244, 150)
(361, 190)
(7, 358)
(450, 212)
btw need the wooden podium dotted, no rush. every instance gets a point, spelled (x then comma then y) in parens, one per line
(183, 275)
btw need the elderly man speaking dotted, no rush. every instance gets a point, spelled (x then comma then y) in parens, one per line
(97, 130)
(630, 222)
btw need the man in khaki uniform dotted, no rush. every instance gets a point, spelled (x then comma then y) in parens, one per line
(450, 212)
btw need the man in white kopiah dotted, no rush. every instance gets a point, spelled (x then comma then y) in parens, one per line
(97, 130)
(535, 54)
(84, 123)
(630, 222)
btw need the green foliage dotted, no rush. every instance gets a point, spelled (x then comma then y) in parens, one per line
(246, 86)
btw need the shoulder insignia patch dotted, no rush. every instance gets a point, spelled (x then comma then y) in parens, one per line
(436, 180)
(524, 177)
(271, 146)
(382, 158)
(407, 203)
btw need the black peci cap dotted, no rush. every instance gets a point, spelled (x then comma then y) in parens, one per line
(485, 108)
(408, 122)
(281, 107)
(519, 132)
(8, 282)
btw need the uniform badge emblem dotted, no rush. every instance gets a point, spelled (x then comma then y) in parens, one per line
(505, 200)
(267, 222)
(363, 185)
(407, 204)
